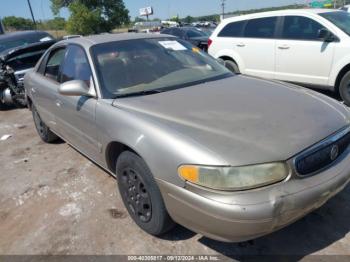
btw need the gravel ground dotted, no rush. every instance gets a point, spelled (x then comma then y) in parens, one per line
(55, 201)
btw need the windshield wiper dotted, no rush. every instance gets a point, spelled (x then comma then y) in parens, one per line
(141, 93)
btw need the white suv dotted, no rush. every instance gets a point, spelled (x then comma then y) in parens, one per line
(310, 46)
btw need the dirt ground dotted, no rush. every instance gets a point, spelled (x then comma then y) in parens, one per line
(55, 201)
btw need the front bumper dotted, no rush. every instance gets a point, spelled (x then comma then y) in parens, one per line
(241, 216)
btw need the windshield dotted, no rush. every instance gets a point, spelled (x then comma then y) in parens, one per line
(144, 65)
(340, 18)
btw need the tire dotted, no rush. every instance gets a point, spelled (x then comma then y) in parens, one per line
(141, 195)
(44, 132)
(344, 88)
(232, 66)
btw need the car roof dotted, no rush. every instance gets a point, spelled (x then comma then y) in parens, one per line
(21, 34)
(284, 12)
(92, 40)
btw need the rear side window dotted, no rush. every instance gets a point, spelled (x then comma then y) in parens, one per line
(76, 66)
(300, 28)
(232, 30)
(53, 64)
(261, 27)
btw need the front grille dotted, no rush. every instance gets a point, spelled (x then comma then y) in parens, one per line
(324, 154)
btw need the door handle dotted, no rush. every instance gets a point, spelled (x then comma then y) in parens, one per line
(283, 47)
(241, 45)
(58, 103)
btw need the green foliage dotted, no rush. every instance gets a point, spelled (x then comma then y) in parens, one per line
(188, 19)
(57, 23)
(13, 23)
(175, 19)
(83, 21)
(295, 6)
(93, 16)
(216, 17)
(139, 19)
(17, 23)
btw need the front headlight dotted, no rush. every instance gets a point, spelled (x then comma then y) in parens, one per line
(234, 178)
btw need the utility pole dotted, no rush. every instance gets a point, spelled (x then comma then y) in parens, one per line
(223, 8)
(31, 12)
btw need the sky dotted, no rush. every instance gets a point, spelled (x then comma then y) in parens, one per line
(162, 8)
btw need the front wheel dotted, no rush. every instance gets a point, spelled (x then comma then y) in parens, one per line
(141, 195)
(344, 88)
(43, 130)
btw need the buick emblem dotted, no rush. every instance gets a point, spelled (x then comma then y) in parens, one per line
(334, 152)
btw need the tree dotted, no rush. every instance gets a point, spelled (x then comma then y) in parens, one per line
(175, 19)
(93, 16)
(139, 19)
(83, 21)
(188, 19)
(57, 23)
(17, 23)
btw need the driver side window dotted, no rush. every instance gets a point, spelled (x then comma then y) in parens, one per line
(76, 66)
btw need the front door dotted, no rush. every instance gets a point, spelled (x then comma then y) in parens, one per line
(76, 114)
(44, 85)
(300, 55)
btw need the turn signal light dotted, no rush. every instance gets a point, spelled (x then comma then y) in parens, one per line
(189, 173)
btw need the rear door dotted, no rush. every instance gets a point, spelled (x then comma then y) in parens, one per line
(300, 55)
(257, 48)
(76, 114)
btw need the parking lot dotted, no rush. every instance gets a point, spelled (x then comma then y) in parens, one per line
(55, 201)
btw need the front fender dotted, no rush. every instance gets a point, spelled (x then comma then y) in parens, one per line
(162, 148)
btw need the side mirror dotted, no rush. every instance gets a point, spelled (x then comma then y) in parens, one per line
(325, 35)
(75, 88)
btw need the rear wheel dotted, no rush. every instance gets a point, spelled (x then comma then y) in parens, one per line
(344, 88)
(232, 66)
(43, 131)
(141, 195)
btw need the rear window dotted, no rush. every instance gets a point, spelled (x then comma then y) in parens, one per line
(26, 39)
(232, 29)
(261, 27)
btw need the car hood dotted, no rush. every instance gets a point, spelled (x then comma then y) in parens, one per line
(243, 120)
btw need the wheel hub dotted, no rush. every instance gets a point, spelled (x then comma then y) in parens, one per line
(136, 195)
